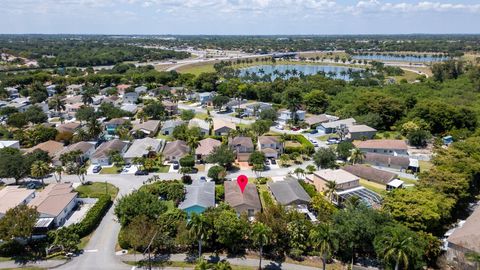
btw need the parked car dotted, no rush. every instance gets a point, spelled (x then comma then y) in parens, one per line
(273, 161)
(176, 166)
(333, 141)
(97, 169)
(203, 179)
(141, 172)
(313, 131)
(128, 166)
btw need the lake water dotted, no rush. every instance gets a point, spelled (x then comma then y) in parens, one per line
(421, 58)
(306, 69)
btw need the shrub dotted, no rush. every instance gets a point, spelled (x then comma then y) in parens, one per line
(217, 173)
(93, 217)
(219, 193)
(186, 179)
(267, 199)
(306, 148)
(168, 190)
(310, 189)
(262, 180)
(122, 239)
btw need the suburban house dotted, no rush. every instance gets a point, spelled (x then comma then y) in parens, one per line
(141, 90)
(286, 115)
(75, 99)
(199, 196)
(465, 240)
(243, 147)
(130, 107)
(400, 163)
(256, 108)
(361, 132)
(315, 120)
(51, 90)
(205, 98)
(13, 196)
(21, 104)
(169, 126)
(143, 148)
(342, 178)
(12, 92)
(222, 127)
(147, 128)
(130, 97)
(370, 174)
(86, 151)
(175, 150)
(56, 201)
(11, 144)
(270, 146)
(247, 202)
(70, 127)
(51, 147)
(289, 192)
(74, 88)
(235, 103)
(386, 147)
(112, 125)
(73, 108)
(170, 107)
(331, 127)
(121, 88)
(102, 155)
(205, 148)
(202, 124)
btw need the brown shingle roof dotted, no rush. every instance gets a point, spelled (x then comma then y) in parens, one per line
(206, 146)
(268, 139)
(176, 148)
(150, 125)
(243, 141)
(68, 127)
(381, 144)
(317, 119)
(51, 147)
(105, 148)
(54, 198)
(374, 158)
(369, 173)
(234, 196)
(468, 236)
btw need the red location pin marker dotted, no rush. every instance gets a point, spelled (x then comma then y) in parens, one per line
(242, 182)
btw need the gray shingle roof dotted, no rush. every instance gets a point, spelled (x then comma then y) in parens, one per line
(234, 196)
(105, 148)
(199, 194)
(177, 148)
(369, 173)
(139, 148)
(289, 192)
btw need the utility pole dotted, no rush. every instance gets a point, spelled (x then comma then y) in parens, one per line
(148, 250)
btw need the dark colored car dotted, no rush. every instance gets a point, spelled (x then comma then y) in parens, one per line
(203, 179)
(176, 166)
(141, 172)
(295, 128)
(97, 169)
(314, 131)
(273, 161)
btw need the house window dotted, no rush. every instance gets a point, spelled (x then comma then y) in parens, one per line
(250, 212)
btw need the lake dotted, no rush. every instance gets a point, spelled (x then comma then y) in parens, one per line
(420, 58)
(305, 69)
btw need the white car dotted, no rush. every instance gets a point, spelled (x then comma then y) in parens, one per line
(280, 127)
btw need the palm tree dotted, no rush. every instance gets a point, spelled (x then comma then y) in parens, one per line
(261, 236)
(58, 171)
(94, 128)
(396, 246)
(331, 189)
(40, 169)
(198, 228)
(311, 168)
(298, 172)
(57, 103)
(322, 238)
(87, 97)
(81, 172)
(357, 156)
(193, 143)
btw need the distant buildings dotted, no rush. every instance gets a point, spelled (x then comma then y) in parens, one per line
(385, 147)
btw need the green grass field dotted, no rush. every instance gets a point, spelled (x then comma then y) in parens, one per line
(376, 187)
(96, 189)
(111, 170)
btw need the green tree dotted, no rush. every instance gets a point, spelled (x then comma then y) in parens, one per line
(231, 230)
(260, 234)
(94, 128)
(34, 114)
(138, 203)
(324, 209)
(268, 114)
(260, 127)
(293, 99)
(331, 189)
(40, 169)
(418, 138)
(199, 228)
(316, 101)
(85, 113)
(217, 173)
(18, 222)
(311, 168)
(56, 103)
(257, 158)
(13, 164)
(325, 158)
(222, 155)
(344, 149)
(67, 239)
(357, 156)
(187, 115)
(219, 101)
(323, 240)
(299, 172)
(155, 110)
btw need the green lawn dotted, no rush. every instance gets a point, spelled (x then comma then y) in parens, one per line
(164, 137)
(111, 170)
(96, 189)
(376, 187)
(201, 116)
(161, 169)
(425, 165)
(408, 181)
(389, 135)
(5, 259)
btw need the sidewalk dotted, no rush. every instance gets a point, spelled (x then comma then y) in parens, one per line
(48, 264)
(234, 261)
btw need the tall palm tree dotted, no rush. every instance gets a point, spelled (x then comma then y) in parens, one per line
(40, 169)
(261, 236)
(87, 97)
(192, 142)
(298, 172)
(56, 103)
(81, 172)
(331, 190)
(357, 156)
(322, 238)
(198, 228)
(58, 171)
(311, 168)
(94, 128)
(396, 246)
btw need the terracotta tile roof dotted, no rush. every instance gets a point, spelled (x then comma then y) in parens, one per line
(317, 119)
(68, 127)
(381, 144)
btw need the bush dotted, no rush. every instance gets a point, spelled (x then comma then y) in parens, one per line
(122, 241)
(310, 189)
(217, 173)
(93, 217)
(262, 180)
(267, 199)
(186, 179)
(168, 190)
(11, 248)
(219, 193)
(306, 148)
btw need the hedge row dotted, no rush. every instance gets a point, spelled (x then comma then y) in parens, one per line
(93, 217)
(267, 199)
(306, 148)
(309, 188)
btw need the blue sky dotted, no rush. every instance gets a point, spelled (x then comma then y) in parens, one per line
(239, 16)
